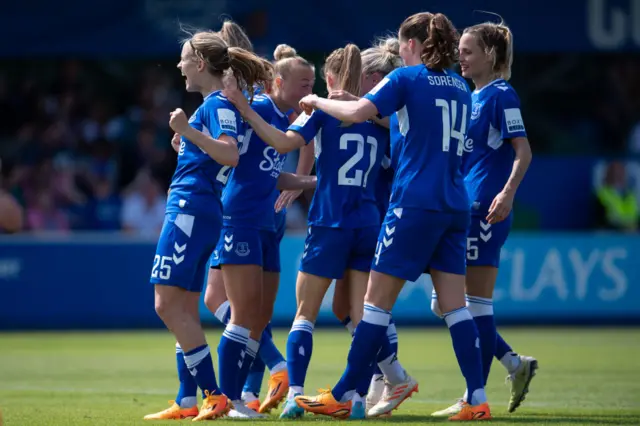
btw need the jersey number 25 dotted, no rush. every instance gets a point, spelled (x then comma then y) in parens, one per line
(449, 118)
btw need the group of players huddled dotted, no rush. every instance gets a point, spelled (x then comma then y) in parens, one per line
(415, 173)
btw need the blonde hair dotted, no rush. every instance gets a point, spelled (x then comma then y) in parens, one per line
(438, 36)
(234, 36)
(249, 69)
(346, 65)
(382, 58)
(496, 40)
(285, 58)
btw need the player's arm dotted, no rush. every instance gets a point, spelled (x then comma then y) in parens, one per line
(291, 182)
(520, 164)
(349, 111)
(343, 95)
(283, 142)
(508, 119)
(382, 101)
(223, 148)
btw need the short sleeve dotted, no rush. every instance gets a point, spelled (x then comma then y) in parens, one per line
(308, 126)
(221, 119)
(507, 117)
(388, 95)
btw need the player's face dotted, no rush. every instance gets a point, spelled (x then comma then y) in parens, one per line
(190, 68)
(298, 84)
(473, 61)
(409, 51)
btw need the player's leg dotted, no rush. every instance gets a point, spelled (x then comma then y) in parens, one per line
(269, 353)
(396, 260)
(388, 384)
(340, 304)
(181, 257)
(240, 253)
(215, 296)
(186, 403)
(448, 267)
(324, 259)
(484, 245)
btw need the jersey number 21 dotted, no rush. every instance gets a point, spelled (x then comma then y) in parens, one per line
(449, 119)
(356, 177)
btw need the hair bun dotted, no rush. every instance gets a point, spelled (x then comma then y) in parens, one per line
(391, 45)
(284, 51)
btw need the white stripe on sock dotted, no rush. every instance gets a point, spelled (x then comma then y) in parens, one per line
(302, 325)
(459, 315)
(222, 310)
(479, 306)
(236, 333)
(194, 359)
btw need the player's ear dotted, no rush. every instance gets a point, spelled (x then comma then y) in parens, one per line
(330, 80)
(278, 82)
(201, 65)
(376, 78)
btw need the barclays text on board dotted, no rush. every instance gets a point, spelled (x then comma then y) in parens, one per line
(98, 283)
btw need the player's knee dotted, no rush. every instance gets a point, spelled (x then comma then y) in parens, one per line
(166, 309)
(213, 300)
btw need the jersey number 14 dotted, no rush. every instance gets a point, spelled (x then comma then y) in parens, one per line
(449, 119)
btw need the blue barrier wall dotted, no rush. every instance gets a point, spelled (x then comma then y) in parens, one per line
(151, 27)
(102, 282)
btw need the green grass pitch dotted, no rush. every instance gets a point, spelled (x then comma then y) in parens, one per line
(586, 376)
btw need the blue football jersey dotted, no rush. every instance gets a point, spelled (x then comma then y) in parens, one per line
(433, 111)
(348, 160)
(248, 196)
(198, 181)
(488, 160)
(384, 183)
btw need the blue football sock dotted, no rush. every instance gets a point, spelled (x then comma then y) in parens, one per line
(200, 366)
(299, 349)
(247, 362)
(231, 356)
(466, 345)
(188, 392)
(256, 375)
(502, 347)
(269, 353)
(370, 335)
(481, 309)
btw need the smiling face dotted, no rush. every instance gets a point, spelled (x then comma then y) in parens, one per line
(296, 84)
(474, 62)
(191, 68)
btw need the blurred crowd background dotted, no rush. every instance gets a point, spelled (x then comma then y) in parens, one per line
(85, 141)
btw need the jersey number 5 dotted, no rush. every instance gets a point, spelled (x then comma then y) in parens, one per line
(449, 118)
(357, 179)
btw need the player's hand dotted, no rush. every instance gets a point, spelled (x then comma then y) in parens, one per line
(285, 199)
(232, 92)
(175, 142)
(342, 95)
(500, 207)
(308, 104)
(178, 121)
